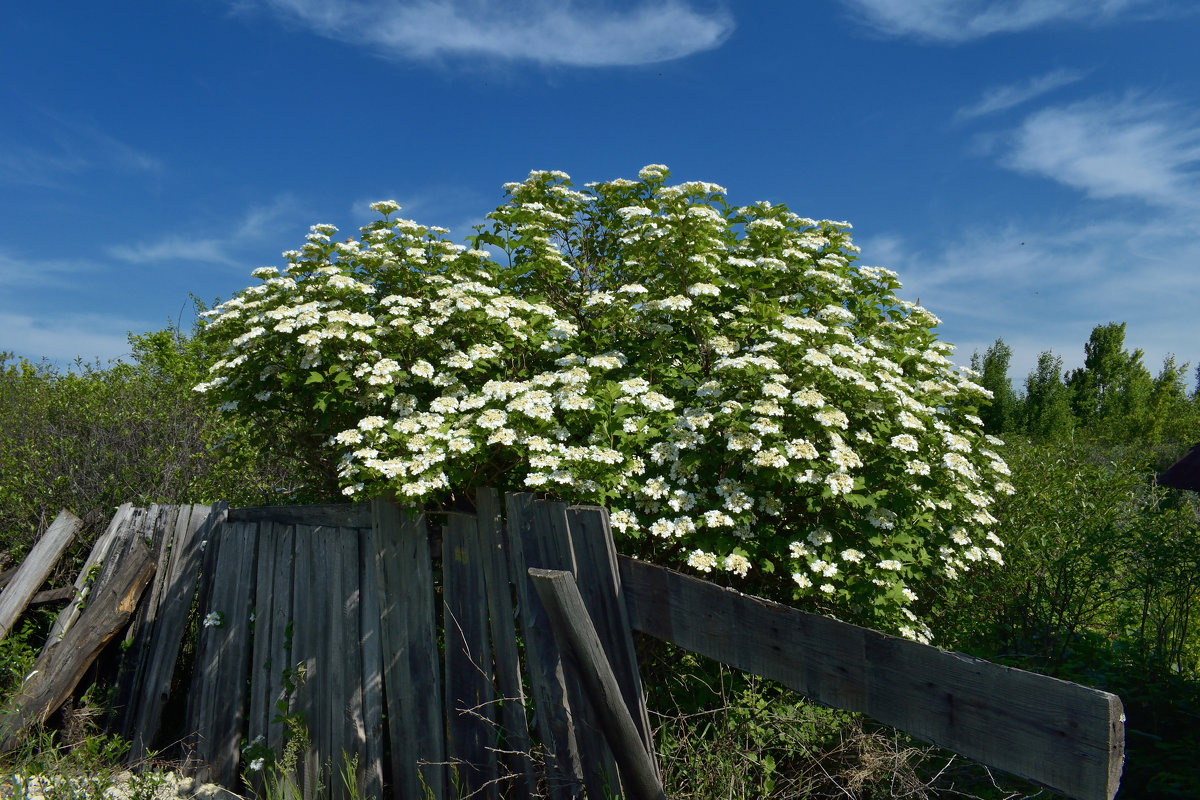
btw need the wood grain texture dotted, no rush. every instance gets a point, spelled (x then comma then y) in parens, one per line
(58, 670)
(574, 629)
(492, 541)
(553, 714)
(330, 515)
(193, 524)
(86, 580)
(223, 653)
(471, 733)
(36, 568)
(599, 584)
(411, 667)
(1067, 737)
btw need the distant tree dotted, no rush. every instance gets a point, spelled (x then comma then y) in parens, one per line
(1047, 408)
(1112, 389)
(1002, 413)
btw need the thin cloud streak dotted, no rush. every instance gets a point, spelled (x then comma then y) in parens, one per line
(1002, 98)
(1065, 279)
(551, 32)
(66, 148)
(1127, 149)
(60, 342)
(259, 224)
(957, 21)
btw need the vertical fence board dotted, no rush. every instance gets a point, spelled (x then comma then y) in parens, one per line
(543, 661)
(269, 596)
(157, 532)
(372, 668)
(223, 657)
(517, 755)
(599, 584)
(309, 633)
(411, 670)
(193, 525)
(348, 680)
(470, 695)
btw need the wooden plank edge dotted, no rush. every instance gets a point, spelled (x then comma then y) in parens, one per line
(650, 592)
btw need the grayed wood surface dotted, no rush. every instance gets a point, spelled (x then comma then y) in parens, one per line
(58, 670)
(516, 744)
(1062, 735)
(411, 667)
(193, 524)
(85, 582)
(599, 584)
(334, 515)
(543, 660)
(575, 631)
(36, 568)
(471, 732)
(217, 699)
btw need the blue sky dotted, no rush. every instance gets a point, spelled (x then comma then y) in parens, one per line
(1031, 168)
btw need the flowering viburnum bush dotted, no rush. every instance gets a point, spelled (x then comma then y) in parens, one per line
(741, 395)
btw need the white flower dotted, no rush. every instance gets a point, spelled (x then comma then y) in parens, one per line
(737, 563)
(702, 561)
(214, 619)
(852, 555)
(801, 580)
(906, 442)
(890, 564)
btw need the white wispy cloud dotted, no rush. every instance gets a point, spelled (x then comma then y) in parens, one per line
(1002, 98)
(1133, 147)
(65, 337)
(256, 225)
(48, 148)
(546, 31)
(1048, 282)
(955, 21)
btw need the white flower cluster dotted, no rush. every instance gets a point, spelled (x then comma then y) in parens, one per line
(723, 379)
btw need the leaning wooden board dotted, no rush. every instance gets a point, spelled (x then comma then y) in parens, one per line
(1065, 736)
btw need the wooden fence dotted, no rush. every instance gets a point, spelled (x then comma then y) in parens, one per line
(411, 641)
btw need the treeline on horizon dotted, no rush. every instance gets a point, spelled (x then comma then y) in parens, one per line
(1113, 397)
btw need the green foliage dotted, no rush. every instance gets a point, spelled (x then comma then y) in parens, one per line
(1002, 413)
(1101, 585)
(93, 437)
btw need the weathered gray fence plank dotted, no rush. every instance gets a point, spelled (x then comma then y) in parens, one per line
(334, 515)
(492, 541)
(87, 577)
(59, 669)
(371, 780)
(575, 631)
(599, 584)
(470, 695)
(223, 653)
(1062, 735)
(543, 661)
(411, 667)
(194, 524)
(36, 568)
(310, 633)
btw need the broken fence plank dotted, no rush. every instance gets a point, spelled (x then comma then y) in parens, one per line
(36, 568)
(59, 669)
(575, 632)
(85, 582)
(1064, 736)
